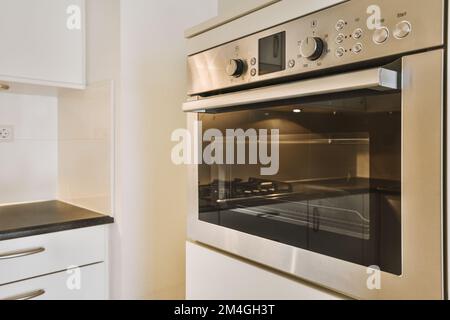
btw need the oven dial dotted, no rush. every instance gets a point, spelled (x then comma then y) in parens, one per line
(235, 68)
(312, 48)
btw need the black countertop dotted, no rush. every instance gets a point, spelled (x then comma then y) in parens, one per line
(24, 220)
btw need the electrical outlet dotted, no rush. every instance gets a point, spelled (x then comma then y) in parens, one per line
(6, 133)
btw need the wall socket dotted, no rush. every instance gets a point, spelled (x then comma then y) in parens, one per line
(6, 133)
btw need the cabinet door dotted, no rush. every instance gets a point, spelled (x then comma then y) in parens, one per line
(211, 275)
(43, 42)
(87, 283)
(51, 252)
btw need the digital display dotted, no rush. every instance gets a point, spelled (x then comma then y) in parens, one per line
(272, 53)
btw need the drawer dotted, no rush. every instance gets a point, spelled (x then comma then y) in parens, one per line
(40, 255)
(93, 286)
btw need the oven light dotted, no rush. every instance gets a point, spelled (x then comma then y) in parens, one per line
(297, 110)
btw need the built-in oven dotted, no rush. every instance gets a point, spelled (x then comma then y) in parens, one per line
(319, 148)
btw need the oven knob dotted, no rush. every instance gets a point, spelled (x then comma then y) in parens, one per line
(381, 35)
(312, 48)
(340, 38)
(358, 33)
(235, 68)
(402, 30)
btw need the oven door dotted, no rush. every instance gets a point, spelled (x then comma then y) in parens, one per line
(356, 202)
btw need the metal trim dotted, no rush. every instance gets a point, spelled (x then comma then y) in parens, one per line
(21, 253)
(379, 79)
(27, 296)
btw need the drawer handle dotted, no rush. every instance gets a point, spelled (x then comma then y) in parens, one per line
(21, 253)
(27, 296)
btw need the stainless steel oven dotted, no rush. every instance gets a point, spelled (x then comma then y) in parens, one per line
(356, 95)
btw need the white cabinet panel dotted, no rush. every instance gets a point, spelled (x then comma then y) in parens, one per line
(43, 42)
(211, 275)
(51, 253)
(88, 283)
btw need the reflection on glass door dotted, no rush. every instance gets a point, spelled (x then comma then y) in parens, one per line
(338, 188)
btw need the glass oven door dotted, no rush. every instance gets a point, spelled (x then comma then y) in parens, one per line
(337, 190)
(356, 180)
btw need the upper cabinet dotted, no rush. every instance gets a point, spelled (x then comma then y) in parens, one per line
(43, 42)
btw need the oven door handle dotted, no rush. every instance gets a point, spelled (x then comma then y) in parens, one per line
(379, 79)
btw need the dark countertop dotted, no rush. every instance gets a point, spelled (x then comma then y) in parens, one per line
(24, 220)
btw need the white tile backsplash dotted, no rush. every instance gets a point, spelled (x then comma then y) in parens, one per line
(86, 114)
(33, 117)
(84, 174)
(28, 165)
(62, 148)
(85, 155)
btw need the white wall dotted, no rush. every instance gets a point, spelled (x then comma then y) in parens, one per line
(29, 163)
(148, 256)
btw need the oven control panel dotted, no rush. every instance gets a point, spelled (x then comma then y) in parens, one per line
(353, 32)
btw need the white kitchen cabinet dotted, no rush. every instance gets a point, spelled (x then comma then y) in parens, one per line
(43, 256)
(212, 275)
(54, 252)
(87, 283)
(43, 42)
